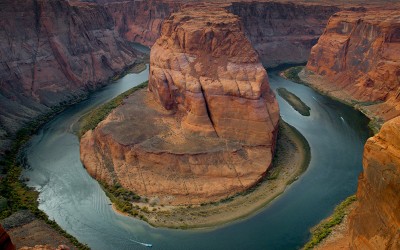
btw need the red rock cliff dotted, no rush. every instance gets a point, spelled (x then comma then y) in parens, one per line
(208, 128)
(280, 32)
(375, 222)
(357, 59)
(204, 66)
(51, 52)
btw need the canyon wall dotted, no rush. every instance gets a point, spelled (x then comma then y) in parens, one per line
(283, 32)
(357, 59)
(207, 128)
(52, 52)
(375, 222)
(280, 32)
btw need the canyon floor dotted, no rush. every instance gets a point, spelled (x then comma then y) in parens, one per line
(292, 158)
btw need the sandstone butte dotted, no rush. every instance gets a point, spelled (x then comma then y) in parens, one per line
(357, 59)
(205, 130)
(375, 221)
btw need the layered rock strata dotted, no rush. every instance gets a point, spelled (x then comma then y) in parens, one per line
(374, 223)
(207, 128)
(52, 52)
(357, 59)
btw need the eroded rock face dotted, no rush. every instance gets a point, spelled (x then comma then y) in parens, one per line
(205, 67)
(358, 56)
(206, 130)
(283, 32)
(375, 222)
(52, 52)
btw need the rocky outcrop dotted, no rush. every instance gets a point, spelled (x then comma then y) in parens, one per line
(283, 32)
(280, 32)
(357, 59)
(375, 222)
(204, 66)
(52, 52)
(206, 130)
(140, 21)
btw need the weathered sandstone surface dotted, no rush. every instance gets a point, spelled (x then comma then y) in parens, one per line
(52, 52)
(207, 128)
(283, 32)
(280, 32)
(357, 59)
(375, 221)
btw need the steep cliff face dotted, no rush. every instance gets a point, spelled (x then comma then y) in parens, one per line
(375, 222)
(51, 52)
(279, 32)
(283, 32)
(204, 66)
(5, 240)
(140, 21)
(358, 59)
(206, 130)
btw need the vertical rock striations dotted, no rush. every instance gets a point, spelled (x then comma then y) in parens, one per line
(375, 222)
(204, 66)
(206, 130)
(357, 59)
(283, 32)
(51, 52)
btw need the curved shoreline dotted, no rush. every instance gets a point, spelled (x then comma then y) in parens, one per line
(291, 159)
(298, 75)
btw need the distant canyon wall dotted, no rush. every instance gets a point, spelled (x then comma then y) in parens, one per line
(357, 59)
(52, 52)
(55, 51)
(280, 32)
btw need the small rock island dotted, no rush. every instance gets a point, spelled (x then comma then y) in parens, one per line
(206, 127)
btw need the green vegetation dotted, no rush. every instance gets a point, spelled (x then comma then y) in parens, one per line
(322, 230)
(94, 117)
(293, 74)
(121, 197)
(294, 101)
(17, 194)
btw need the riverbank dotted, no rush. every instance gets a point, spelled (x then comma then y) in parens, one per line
(18, 196)
(299, 75)
(292, 158)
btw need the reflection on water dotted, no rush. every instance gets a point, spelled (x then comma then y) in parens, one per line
(335, 132)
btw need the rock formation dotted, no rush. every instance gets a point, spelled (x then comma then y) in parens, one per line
(206, 130)
(357, 59)
(283, 32)
(280, 32)
(374, 223)
(204, 65)
(52, 52)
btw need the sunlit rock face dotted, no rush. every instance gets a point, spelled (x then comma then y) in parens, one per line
(359, 55)
(205, 67)
(205, 129)
(375, 222)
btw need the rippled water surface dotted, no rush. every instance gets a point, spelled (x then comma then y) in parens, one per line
(335, 132)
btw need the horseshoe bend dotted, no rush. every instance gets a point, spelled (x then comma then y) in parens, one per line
(206, 127)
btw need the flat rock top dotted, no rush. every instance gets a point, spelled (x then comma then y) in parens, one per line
(376, 17)
(142, 122)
